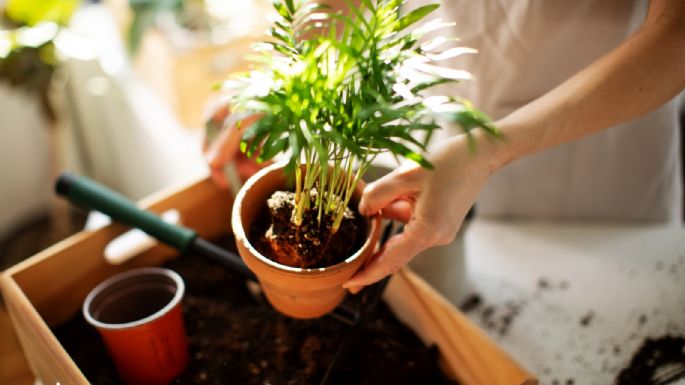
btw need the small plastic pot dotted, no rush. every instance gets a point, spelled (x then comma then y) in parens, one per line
(138, 314)
(296, 292)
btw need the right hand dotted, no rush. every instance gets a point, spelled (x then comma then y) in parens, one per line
(432, 203)
(225, 147)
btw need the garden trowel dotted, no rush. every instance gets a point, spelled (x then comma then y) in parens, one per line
(89, 194)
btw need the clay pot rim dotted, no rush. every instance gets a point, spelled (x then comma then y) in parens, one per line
(239, 231)
(104, 285)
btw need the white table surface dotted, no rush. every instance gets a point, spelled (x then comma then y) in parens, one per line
(627, 281)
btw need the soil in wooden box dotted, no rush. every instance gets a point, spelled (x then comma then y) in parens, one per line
(236, 340)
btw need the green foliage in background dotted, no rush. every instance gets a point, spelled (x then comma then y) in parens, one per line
(144, 14)
(339, 89)
(28, 56)
(32, 12)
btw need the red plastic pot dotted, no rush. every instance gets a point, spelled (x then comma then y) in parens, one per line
(138, 314)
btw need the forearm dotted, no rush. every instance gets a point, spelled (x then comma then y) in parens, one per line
(644, 72)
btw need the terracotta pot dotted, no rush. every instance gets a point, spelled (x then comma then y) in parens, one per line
(296, 292)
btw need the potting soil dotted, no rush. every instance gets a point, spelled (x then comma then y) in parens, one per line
(234, 339)
(310, 245)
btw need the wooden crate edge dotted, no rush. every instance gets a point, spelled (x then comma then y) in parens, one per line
(31, 329)
(469, 354)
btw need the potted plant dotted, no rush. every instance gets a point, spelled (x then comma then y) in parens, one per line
(333, 92)
(32, 50)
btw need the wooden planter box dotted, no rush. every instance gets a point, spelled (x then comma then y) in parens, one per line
(50, 287)
(14, 369)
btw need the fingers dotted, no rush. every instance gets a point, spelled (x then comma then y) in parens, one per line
(399, 210)
(224, 150)
(246, 167)
(393, 194)
(219, 178)
(399, 250)
(215, 115)
(381, 193)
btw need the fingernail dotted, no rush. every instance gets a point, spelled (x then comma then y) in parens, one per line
(365, 211)
(355, 289)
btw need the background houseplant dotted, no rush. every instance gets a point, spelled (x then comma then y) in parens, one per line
(32, 50)
(190, 23)
(334, 91)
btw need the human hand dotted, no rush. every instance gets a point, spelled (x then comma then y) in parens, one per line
(432, 203)
(221, 145)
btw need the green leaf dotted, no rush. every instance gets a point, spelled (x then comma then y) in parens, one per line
(272, 149)
(399, 148)
(143, 19)
(314, 142)
(369, 5)
(295, 142)
(341, 141)
(282, 10)
(358, 13)
(432, 83)
(32, 12)
(275, 33)
(254, 134)
(416, 15)
(469, 119)
(291, 7)
(348, 92)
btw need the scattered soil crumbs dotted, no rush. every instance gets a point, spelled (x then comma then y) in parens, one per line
(471, 303)
(309, 245)
(643, 319)
(498, 317)
(569, 381)
(581, 354)
(236, 340)
(659, 361)
(547, 284)
(495, 318)
(543, 283)
(586, 320)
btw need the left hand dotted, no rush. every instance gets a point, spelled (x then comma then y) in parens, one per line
(221, 145)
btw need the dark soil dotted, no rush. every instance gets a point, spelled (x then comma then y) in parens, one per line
(236, 340)
(495, 318)
(586, 319)
(658, 361)
(310, 245)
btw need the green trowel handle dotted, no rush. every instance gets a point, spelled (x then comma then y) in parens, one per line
(87, 193)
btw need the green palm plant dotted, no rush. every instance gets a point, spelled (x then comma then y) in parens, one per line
(336, 90)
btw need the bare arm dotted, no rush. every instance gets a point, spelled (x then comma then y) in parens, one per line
(644, 72)
(641, 74)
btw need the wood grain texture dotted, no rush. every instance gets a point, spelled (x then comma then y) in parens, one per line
(468, 353)
(14, 370)
(50, 287)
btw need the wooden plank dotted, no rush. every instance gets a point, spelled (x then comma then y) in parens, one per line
(70, 269)
(50, 287)
(14, 370)
(468, 353)
(48, 359)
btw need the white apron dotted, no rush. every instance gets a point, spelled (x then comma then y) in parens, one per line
(526, 48)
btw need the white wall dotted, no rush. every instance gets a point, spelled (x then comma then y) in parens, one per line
(25, 187)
